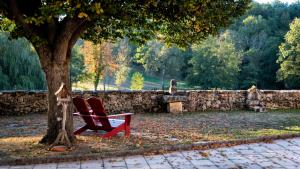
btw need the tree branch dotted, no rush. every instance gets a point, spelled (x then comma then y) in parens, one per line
(16, 15)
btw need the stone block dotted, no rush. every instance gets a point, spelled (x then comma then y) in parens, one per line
(175, 107)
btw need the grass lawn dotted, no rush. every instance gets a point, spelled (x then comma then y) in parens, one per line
(19, 136)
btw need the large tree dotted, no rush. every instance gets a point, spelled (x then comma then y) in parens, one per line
(215, 63)
(289, 57)
(53, 27)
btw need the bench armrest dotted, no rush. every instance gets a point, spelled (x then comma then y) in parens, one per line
(109, 116)
(119, 115)
(78, 113)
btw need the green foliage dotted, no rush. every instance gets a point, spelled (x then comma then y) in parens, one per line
(19, 65)
(78, 71)
(137, 81)
(254, 38)
(289, 57)
(121, 75)
(161, 60)
(181, 22)
(215, 64)
(257, 35)
(258, 45)
(158, 58)
(123, 60)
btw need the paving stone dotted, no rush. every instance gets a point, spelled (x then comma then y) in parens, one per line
(269, 154)
(294, 141)
(242, 161)
(273, 147)
(177, 160)
(227, 149)
(46, 166)
(4, 167)
(260, 149)
(116, 167)
(136, 162)
(250, 166)
(198, 163)
(114, 163)
(293, 148)
(229, 153)
(69, 165)
(236, 157)
(196, 155)
(93, 164)
(158, 162)
(247, 152)
(198, 160)
(283, 143)
(280, 154)
(283, 162)
(292, 167)
(207, 167)
(257, 158)
(22, 167)
(221, 161)
(226, 165)
(241, 147)
(289, 155)
(269, 164)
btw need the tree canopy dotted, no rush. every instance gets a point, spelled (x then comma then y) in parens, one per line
(215, 63)
(170, 20)
(53, 27)
(289, 57)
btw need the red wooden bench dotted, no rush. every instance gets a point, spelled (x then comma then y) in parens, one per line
(97, 119)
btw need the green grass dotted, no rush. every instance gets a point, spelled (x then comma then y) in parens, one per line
(216, 126)
(150, 130)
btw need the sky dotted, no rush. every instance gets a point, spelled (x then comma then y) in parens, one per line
(266, 1)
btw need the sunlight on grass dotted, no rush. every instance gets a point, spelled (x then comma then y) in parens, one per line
(18, 140)
(151, 131)
(247, 134)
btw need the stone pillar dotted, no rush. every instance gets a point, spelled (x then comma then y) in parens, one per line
(254, 100)
(173, 87)
(174, 103)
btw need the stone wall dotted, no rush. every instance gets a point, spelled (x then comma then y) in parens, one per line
(24, 102)
(281, 99)
(202, 100)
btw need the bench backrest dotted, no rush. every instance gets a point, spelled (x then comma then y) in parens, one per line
(83, 109)
(98, 109)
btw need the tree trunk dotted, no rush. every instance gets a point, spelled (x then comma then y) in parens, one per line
(163, 79)
(57, 72)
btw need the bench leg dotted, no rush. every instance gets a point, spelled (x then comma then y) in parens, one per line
(80, 130)
(114, 131)
(127, 126)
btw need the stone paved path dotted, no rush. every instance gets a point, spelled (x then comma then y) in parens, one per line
(280, 154)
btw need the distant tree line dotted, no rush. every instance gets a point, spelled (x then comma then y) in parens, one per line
(261, 48)
(255, 50)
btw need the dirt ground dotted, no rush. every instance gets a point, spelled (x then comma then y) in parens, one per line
(19, 135)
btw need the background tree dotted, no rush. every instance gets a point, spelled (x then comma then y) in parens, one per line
(97, 59)
(19, 65)
(161, 60)
(137, 81)
(289, 57)
(257, 35)
(215, 63)
(53, 27)
(257, 42)
(122, 60)
(78, 71)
